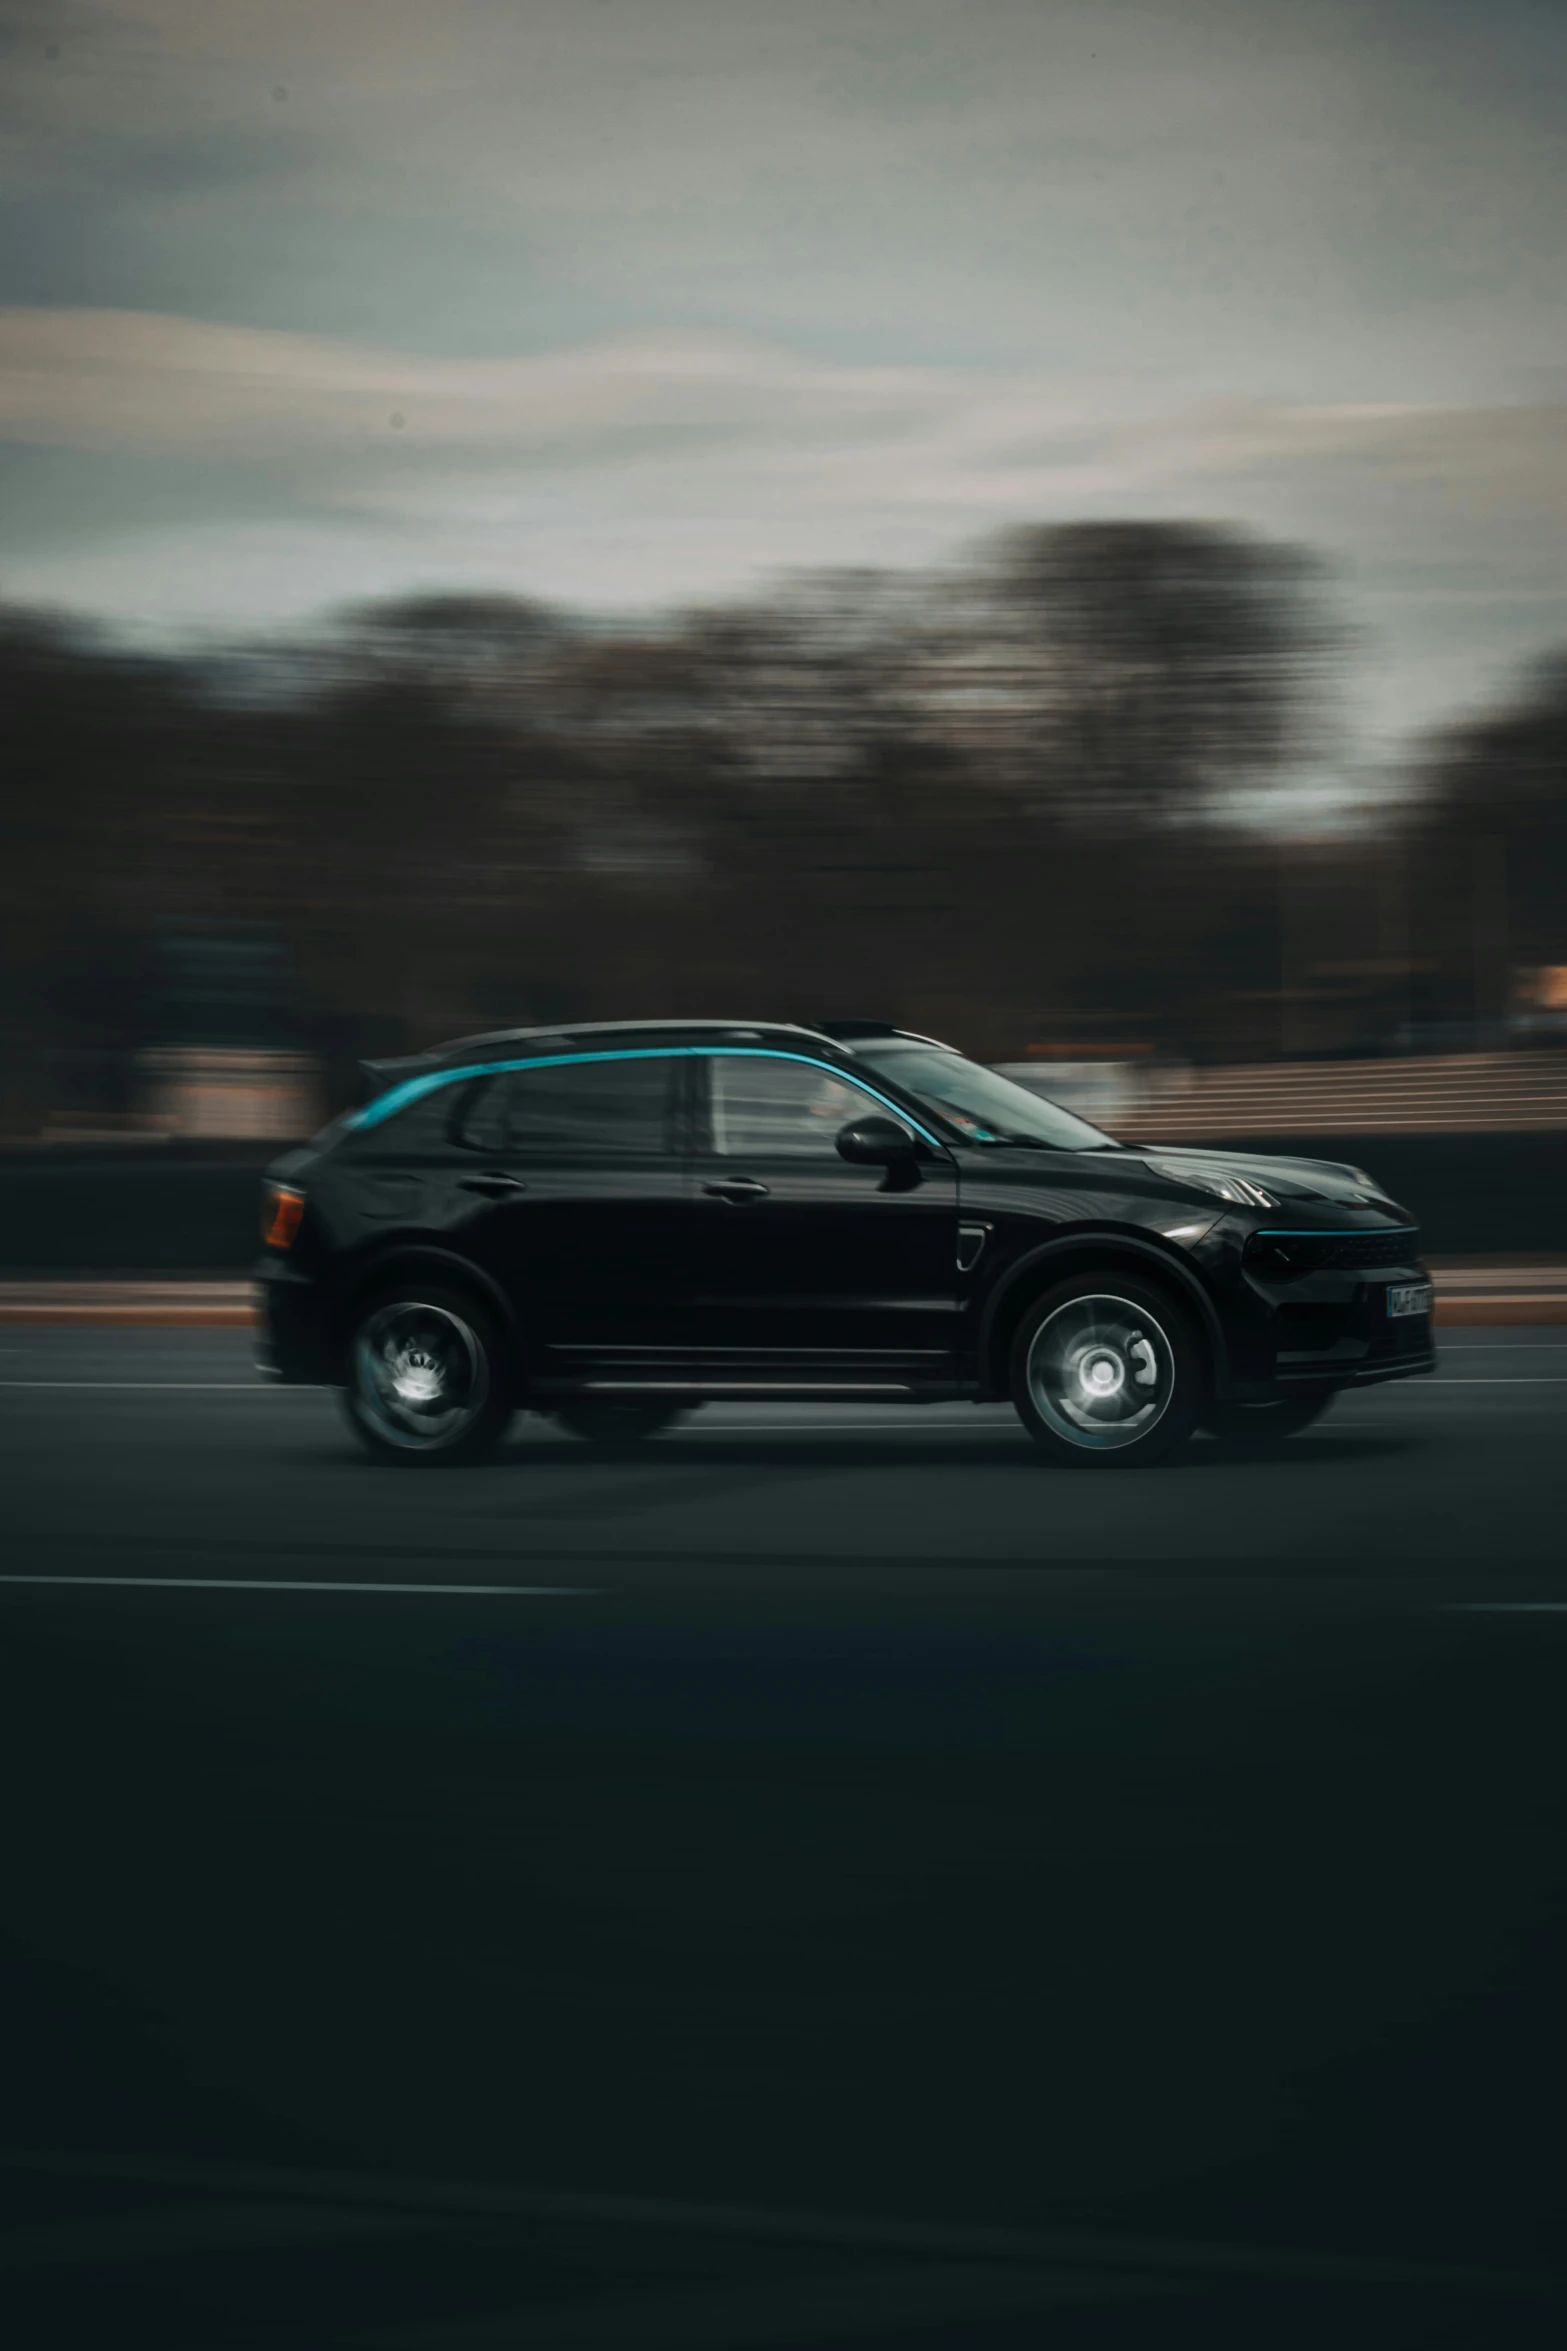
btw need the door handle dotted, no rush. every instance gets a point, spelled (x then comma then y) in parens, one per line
(737, 1188)
(495, 1186)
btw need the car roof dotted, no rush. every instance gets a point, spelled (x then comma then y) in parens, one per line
(577, 1032)
(564, 1036)
(832, 1037)
(850, 1033)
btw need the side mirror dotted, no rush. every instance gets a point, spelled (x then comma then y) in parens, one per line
(877, 1142)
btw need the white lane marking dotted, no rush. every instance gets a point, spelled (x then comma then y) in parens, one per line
(191, 1583)
(709, 1428)
(776, 1428)
(485, 2200)
(1505, 1607)
(302, 1388)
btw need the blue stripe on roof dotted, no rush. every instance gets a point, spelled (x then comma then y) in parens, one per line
(414, 1089)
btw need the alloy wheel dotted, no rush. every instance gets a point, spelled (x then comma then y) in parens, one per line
(421, 1375)
(1101, 1372)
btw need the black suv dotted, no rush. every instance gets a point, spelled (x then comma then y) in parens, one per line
(614, 1224)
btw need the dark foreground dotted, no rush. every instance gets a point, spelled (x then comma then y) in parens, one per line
(827, 1880)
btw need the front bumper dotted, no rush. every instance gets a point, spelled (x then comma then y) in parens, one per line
(1408, 1364)
(1328, 1332)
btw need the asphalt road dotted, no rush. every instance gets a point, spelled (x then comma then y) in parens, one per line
(826, 1879)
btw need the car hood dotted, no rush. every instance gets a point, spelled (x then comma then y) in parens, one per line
(1289, 1178)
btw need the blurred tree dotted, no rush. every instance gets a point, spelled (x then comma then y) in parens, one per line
(1488, 846)
(1165, 663)
(89, 735)
(995, 802)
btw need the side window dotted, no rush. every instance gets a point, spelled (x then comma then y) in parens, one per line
(478, 1117)
(607, 1109)
(763, 1109)
(423, 1126)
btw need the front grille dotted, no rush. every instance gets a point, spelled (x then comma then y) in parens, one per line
(1306, 1330)
(1372, 1249)
(1282, 1257)
(1398, 1342)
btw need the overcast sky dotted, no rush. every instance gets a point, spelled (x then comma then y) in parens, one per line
(627, 301)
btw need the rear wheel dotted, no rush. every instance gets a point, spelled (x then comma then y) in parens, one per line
(614, 1426)
(424, 1384)
(1253, 1426)
(1106, 1372)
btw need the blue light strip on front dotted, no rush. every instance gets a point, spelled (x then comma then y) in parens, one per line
(1336, 1232)
(414, 1089)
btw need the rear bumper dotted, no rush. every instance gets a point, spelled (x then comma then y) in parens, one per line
(291, 1338)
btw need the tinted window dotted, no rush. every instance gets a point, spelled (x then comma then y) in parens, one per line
(479, 1119)
(602, 1107)
(981, 1104)
(764, 1108)
(423, 1126)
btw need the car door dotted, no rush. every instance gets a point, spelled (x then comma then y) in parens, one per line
(805, 1268)
(577, 1190)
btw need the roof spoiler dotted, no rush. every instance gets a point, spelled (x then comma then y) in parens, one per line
(381, 1076)
(858, 1032)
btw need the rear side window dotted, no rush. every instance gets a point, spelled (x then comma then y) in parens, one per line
(422, 1126)
(479, 1116)
(606, 1109)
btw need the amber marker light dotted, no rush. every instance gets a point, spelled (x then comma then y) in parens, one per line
(281, 1211)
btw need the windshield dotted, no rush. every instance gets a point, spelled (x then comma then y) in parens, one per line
(984, 1107)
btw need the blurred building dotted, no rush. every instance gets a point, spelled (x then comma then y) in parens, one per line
(1411, 1094)
(231, 1068)
(1100, 1089)
(229, 1094)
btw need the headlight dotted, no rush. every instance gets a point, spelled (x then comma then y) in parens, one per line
(1222, 1182)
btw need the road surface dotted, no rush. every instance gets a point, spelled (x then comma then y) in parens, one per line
(826, 1879)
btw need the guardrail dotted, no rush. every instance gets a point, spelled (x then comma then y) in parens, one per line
(1434, 1094)
(119, 1207)
(1473, 1294)
(1485, 1173)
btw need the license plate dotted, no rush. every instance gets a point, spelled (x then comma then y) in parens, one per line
(1409, 1298)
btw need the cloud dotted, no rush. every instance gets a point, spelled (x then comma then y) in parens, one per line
(1348, 199)
(241, 476)
(665, 295)
(349, 421)
(135, 381)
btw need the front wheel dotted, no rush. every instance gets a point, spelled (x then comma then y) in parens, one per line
(424, 1383)
(1250, 1427)
(1106, 1372)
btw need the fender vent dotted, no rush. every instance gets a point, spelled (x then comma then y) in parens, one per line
(971, 1244)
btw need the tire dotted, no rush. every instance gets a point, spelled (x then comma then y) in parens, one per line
(616, 1428)
(1254, 1427)
(424, 1377)
(1107, 1372)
